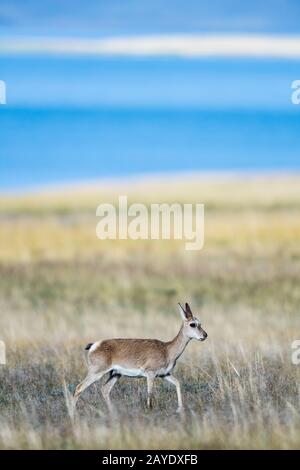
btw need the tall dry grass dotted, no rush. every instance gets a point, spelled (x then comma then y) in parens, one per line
(60, 288)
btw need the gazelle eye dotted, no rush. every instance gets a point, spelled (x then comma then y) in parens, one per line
(193, 325)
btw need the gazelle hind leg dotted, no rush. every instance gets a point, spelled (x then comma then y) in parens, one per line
(150, 382)
(107, 388)
(174, 381)
(89, 380)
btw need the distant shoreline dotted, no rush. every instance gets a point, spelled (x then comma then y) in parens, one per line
(182, 45)
(132, 182)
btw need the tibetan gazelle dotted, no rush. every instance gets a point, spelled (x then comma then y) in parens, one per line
(148, 358)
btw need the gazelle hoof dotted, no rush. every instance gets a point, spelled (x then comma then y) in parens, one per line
(149, 403)
(180, 410)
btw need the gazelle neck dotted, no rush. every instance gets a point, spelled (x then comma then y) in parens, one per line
(177, 345)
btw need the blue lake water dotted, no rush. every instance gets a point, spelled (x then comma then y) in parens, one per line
(70, 119)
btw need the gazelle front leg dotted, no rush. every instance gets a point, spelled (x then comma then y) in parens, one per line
(150, 380)
(174, 381)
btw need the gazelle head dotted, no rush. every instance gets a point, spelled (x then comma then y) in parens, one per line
(191, 325)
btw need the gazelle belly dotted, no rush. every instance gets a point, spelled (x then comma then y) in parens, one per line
(130, 372)
(135, 372)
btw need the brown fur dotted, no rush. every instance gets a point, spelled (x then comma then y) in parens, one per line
(138, 353)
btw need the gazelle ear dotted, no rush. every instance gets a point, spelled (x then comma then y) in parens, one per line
(182, 312)
(188, 311)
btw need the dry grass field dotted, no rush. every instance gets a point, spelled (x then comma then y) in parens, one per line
(61, 287)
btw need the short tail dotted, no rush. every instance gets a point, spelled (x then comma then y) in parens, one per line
(88, 346)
